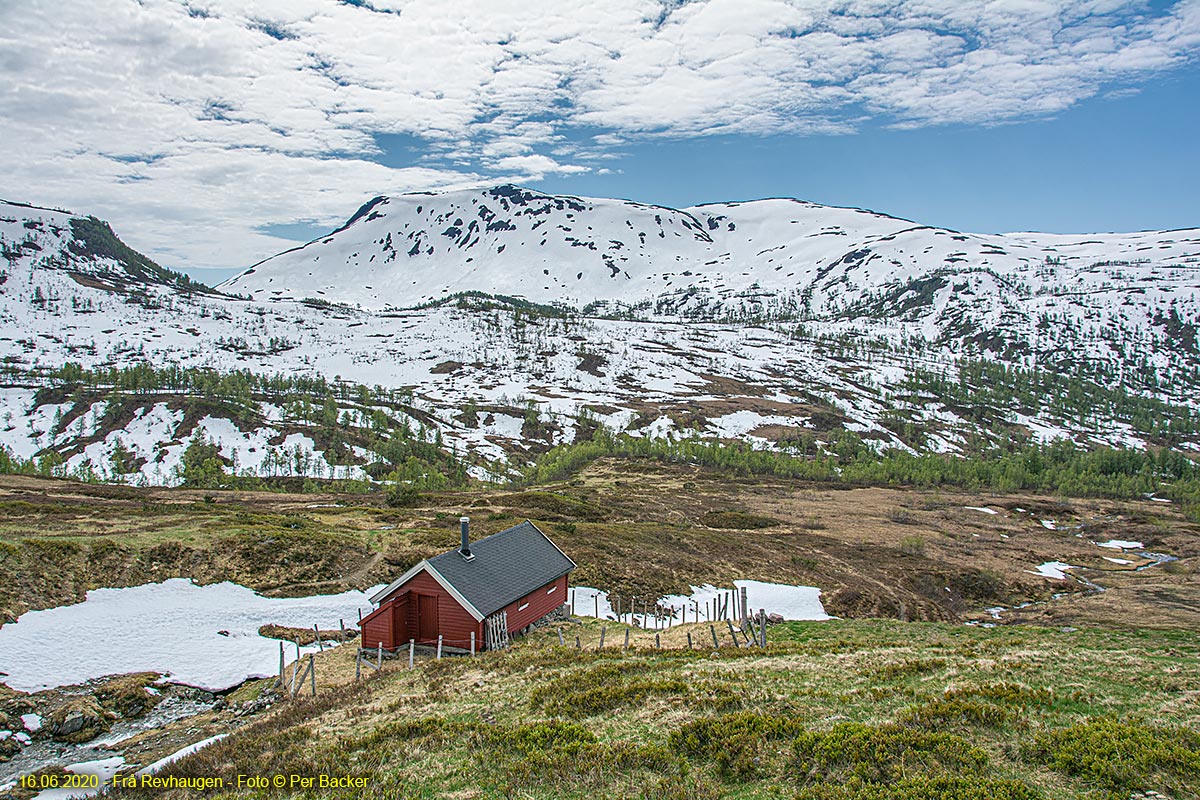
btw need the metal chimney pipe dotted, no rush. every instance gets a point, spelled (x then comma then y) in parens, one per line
(465, 525)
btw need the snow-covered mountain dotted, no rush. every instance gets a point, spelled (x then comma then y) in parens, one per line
(402, 251)
(769, 321)
(1123, 297)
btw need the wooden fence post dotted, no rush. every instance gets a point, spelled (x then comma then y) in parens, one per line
(281, 663)
(626, 638)
(689, 637)
(713, 630)
(317, 633)
(762, 626)
(578, 646)
(745, 608)
(657, 641)
(295, 669)
(312, 674)
(412, 647)
(732, 633)
(358, 666)
(596, 605)
(560, 639)
(603, 628)
(439, 650)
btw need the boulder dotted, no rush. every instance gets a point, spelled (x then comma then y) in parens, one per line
(79, 720)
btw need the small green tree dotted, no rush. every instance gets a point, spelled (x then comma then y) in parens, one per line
(202, 465)
(123, 460)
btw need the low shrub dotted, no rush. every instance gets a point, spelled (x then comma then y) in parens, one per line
(540, 738)
(954, 712)
(588, 701)
(681, 786)
(737, 520)
(602, 688)
(734, 742)
(555, 753)
(923, 787)
(1013, 693)
(882, 754)
(903, 669)
(1123, 756)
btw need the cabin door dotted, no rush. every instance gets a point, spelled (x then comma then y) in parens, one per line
(427, 617)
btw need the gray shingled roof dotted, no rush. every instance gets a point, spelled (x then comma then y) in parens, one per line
(507, 566)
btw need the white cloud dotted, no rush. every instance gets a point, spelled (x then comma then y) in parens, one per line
(192, 125)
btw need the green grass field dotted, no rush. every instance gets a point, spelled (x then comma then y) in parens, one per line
(841, 709)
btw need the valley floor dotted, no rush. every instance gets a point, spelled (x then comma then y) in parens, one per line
(1102, 660)
(635, 528)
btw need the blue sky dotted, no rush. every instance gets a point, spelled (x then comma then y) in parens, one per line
(1109, 164)
(214, 133)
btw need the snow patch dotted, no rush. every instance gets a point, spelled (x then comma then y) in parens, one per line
(178, 754)
(791, 602)
(103, 769)
(1052, 569)
(169, 627)
(1121, 544)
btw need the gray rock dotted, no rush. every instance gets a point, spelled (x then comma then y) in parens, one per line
(71, 723)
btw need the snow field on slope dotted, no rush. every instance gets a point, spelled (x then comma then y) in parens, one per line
(791, 602)
(170, 627)
(774, 245)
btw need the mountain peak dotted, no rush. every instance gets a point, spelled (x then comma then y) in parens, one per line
(411, 249)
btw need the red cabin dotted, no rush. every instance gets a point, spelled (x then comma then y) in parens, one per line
(492, 588)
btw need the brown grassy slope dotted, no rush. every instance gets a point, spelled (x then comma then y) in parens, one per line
(634, 527)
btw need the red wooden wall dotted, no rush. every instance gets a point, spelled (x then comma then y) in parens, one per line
(395, 621)
(388, 624)
(539, 603)
(454, 623)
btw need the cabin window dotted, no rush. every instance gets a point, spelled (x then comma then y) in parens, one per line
(523, 606)
(552, 589)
